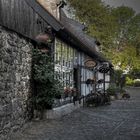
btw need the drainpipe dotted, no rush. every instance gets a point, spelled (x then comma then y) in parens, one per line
(95, 72)
(104, 81)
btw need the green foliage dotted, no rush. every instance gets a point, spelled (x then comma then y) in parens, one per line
(129, 81)
(133, 78)
(112, 90)
(123, 15)
(118, 74)
(101, 24)
(137, 83)
(134, 31)
(135, 73)
(127, 58)
(46, 85)
(118, 30)
(127, 38)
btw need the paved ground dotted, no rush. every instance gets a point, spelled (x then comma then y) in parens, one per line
(119, 121)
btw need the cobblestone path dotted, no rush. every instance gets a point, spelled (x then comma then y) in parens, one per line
(119, 121)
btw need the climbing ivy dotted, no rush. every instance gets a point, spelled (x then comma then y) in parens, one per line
(47, 86)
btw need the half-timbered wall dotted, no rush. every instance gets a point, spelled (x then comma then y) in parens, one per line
(107, 80)
(67, 59)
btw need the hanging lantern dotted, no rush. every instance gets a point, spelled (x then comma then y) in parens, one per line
(104, 68)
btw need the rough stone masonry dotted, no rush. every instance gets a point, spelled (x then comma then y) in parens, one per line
(15, 76)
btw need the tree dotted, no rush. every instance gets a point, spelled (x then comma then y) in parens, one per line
(118, 30)
(123, 16)
(101, 24)
(134, 33)
(128, 38)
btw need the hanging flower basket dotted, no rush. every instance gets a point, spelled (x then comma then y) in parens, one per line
(44, 38)
(66, 92)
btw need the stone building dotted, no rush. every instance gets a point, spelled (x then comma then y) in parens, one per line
(21, 24)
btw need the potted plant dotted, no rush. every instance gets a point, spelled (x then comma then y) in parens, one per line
(113, 91)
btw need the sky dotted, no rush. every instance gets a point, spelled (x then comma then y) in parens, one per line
(135, 4)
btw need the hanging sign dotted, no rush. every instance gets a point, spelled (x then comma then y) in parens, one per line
(90, 63)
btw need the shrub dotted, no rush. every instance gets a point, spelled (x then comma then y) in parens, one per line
(47, 86)
(122, 91)
(112, 90)
(118, 74)
(137, 83)
(129, 81)
(135, 73)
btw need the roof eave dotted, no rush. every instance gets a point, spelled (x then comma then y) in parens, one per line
(38, 8)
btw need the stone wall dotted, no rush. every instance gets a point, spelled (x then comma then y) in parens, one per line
(15, 75)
